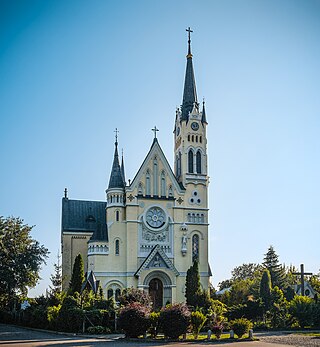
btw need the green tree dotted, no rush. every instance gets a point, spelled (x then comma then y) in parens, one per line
(21, 258)
(277, 271)
(56, 278)
(193, 288)
(301, 308)
(77, 277)
(278, 309)
(246, 271)
(265, 289)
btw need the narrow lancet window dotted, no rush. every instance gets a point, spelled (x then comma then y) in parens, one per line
(198, 159)
(195, 248)
(190, 161)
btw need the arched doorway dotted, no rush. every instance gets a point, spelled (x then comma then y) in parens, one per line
(156, 293)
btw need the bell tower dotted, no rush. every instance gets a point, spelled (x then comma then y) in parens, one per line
(190, 138)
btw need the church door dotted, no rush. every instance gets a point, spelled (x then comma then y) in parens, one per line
(156, 293)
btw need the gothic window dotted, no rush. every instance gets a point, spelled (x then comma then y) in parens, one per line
(188, 137)
(170, 192)
(195, 247)
(198, 160)
(110, 293)
(192, 137)
(155, 176)
(190, 161)
(117, 294)
(163, 183)
(196, 138)
(179, 165)
(117, 216)
(200, 139)
(148, 182)
(117, 247)
(140, 191)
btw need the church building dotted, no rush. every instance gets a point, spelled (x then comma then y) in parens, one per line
(148, 232)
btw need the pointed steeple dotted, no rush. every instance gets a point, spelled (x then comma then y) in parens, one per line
(203, 118)
(122, 169)
(189, 92)
(116, 180)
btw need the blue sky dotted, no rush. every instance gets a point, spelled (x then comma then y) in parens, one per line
(73, 71)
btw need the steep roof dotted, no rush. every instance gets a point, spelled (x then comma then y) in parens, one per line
(84, 216)
(116, 176)
(189, 91)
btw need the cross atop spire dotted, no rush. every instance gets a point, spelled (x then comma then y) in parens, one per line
(189, 41)
(155, 131)
(116, 131)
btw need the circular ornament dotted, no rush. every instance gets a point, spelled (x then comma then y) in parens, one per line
(155, 217)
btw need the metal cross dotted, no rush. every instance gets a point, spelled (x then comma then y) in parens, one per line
(189, 32)
(155, 131)
(302, 274)
(116, 131)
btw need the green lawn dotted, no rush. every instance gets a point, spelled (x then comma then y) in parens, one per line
(310, 334)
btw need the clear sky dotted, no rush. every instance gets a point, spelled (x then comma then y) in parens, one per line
(73, 71)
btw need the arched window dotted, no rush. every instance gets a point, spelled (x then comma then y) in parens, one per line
(140, 191)
(117, 247)
(163, 183)
(170, 191)
(117, 216)
(200, 139)
(188, 137)
(198, 160)
(190, 161)
(179, 164)
(196, 138)
(110, 293)
(117, 294)
(192, 138)
(195, 247)
(155, 177)
(148, 182)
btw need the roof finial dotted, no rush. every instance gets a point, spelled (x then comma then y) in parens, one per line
(65, 193)
(189, 42)
(155, 131)
(116, 131)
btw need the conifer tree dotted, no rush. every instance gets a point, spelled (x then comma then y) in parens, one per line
(56, 278)
(277, 271)
(265, 289)
(77, 277)
(193, 288)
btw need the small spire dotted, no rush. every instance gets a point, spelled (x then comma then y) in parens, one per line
(65, 193)
(116, 180)
(122, 168)
(203, 118)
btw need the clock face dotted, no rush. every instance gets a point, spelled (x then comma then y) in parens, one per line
(155, 217)
(194, 126)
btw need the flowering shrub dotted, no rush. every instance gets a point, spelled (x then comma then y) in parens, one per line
(240, 326)
(197, 320)
(217, 330)
(134, 319)
(174, 320)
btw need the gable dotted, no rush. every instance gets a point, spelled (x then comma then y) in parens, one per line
(157, 169)
(157, 259)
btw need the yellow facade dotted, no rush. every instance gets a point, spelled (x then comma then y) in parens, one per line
(156, 226)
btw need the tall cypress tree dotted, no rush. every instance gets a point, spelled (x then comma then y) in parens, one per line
(77, 277)
(193, 288)
(277, 271)
(56, 278)
(265, 289)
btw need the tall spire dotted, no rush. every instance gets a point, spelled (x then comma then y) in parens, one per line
(122, 169)
(116, 180)
(204, 117)
(189, 92)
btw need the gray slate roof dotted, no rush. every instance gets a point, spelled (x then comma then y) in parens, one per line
(85, 216)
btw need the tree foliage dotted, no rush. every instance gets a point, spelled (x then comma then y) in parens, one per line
(265, 289)
(246, 271)
(277, 271)
(77, 277)
(193, 288)
(131, 295)
(21, 258)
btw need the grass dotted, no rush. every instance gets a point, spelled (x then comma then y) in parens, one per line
(309, 334)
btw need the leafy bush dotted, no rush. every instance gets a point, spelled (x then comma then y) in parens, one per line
(217, 330)
(53, 316)
(174, 320)
(197, 320)
(134, 319)
(98, 329)
(154, 323)
(70, 315)
(132, 295)
(301, 308)
(240, 326)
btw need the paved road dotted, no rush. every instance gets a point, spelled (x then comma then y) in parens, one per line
(12, 336)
